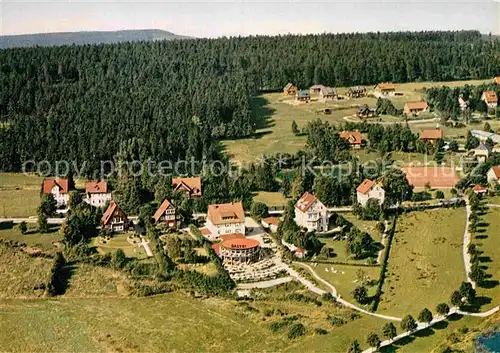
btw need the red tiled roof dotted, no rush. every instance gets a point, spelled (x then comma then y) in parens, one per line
(161, 210)
(386, 86)
(62, 184)
(226, 213)
(305, 202)
(96, 187)
(421, 105)
(365, 186)
(490, 96)
(433, 134)
(496, 170)
(113, 206)
(205, 232)
(225, 237)
(479, 188)
(300, 250)
(239, 244)
(272, 220)
(353, 137)
(193, 185)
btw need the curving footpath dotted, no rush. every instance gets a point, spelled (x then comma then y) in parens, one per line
(342, 301)
(421, 326)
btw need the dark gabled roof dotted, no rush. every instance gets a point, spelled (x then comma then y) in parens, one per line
(303, 93)
(165, 205)
(112, 208)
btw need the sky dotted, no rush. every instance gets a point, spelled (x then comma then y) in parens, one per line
(229, 18)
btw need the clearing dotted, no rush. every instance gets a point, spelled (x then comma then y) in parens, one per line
(19, 194)
(275, 112)
(425, 263)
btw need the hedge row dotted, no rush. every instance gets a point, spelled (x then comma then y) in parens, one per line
(383, 268)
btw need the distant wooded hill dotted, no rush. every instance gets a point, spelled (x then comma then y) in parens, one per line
(99, 37)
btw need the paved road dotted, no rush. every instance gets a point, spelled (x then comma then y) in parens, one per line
(420, 327)
(467, 240)
(266, 284)
(492, 205)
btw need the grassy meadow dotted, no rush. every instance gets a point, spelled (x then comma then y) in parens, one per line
(32, 238)
(275, 112)
(19, 194)
(425, 263)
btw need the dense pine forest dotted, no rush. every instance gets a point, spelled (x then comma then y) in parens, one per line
(175, 99)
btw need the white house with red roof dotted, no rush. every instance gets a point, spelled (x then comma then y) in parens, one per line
(59, 188)
(228, 218)
(97, 193)
(493, 175)
(369, 189)
(310, 213)
(479, 190)
(166, 214)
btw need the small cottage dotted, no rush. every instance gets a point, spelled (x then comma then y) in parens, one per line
(303, 96)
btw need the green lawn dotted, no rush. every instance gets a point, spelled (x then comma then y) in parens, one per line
(21, 275)
(493, 200)
(31, 238)
(271, 198)
(436, 338)
(19, 194)
(425, 264)
(488, 241)
(345, 277)
(119, 241)
(274, 114)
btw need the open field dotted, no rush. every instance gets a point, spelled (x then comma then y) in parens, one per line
(445, 334)
(271, 198)
(345, 279)
(488, 240)
(19, 194)
(493, 200)
(425, 263)
(119, 242)
(43, 242)
(175, 322)
(21, 275)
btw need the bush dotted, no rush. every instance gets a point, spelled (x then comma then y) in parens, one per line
(55, 282)
(278, 325)
(259, 210)
(296, 330)
(118, 259)
(320, 331)
(336, 321)
(439, 195)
